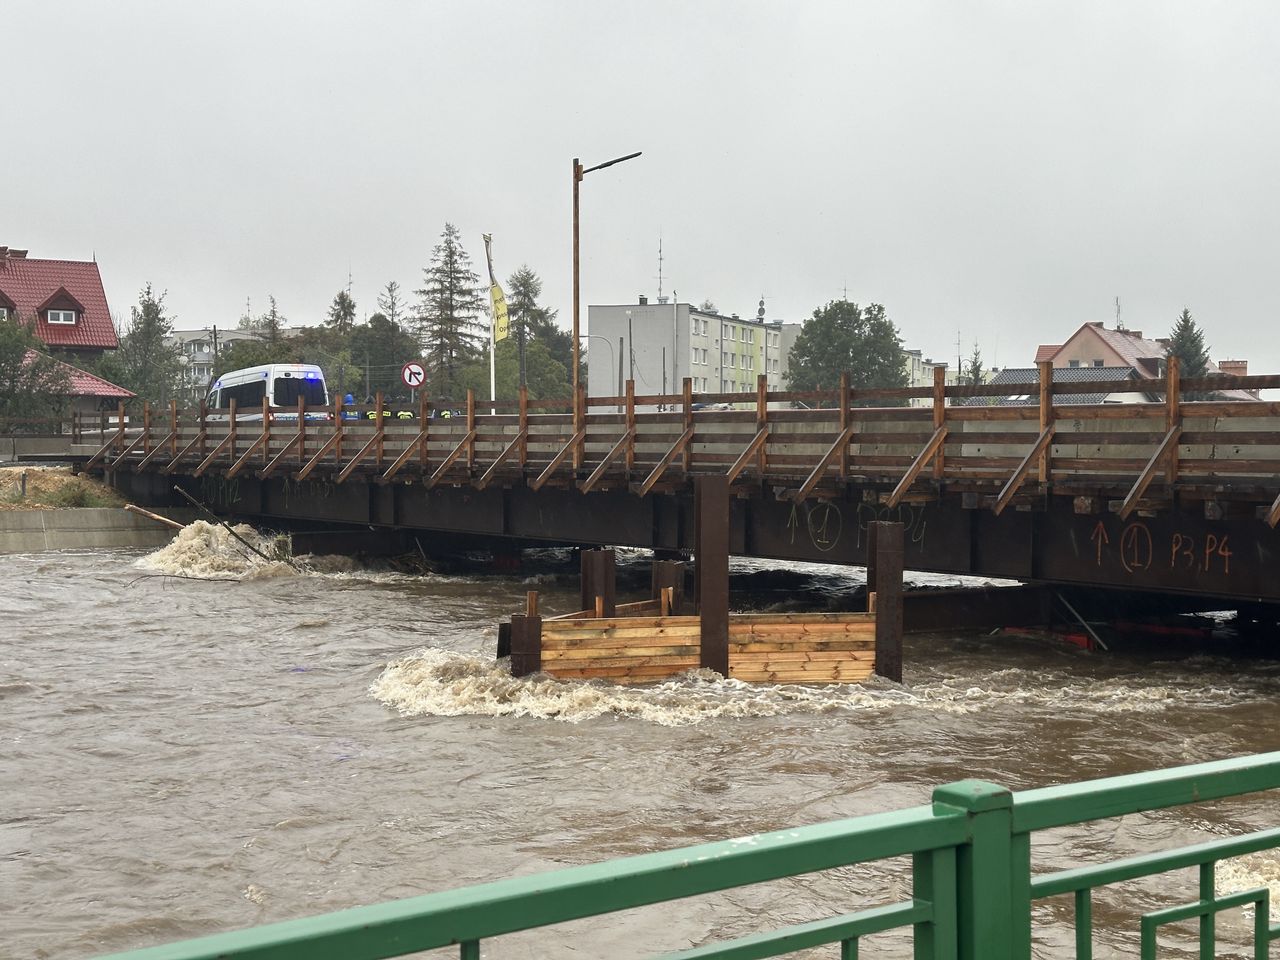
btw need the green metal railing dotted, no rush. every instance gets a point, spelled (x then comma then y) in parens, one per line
(971, 878)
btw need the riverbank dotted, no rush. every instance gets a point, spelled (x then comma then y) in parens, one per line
(51, 508)
(52, 488)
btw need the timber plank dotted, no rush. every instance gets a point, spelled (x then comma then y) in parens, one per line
(834, 646)
(859, 617)
(803, 656)
(621, 636)
(793, 630)
(637, 653)
(688, 662)
(640, 674)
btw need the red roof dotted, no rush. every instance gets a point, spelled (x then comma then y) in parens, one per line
(1046, 351)
(34, 286)
(82, 383)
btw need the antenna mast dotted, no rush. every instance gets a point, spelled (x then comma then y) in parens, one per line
(659, 268)
(1119, 325)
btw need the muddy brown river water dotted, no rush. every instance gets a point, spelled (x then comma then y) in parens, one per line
(185, 756)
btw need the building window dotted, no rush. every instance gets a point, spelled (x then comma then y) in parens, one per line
(1073, 363)
(4, 313)
(748, 336)
(1097, 363)
(61, 316)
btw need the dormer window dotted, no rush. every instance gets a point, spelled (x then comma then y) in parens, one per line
(4, 314)
(61, 316)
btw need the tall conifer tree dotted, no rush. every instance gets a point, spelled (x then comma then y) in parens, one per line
(449, 309)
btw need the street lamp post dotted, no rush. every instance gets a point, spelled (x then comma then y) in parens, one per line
(605, 341)
(578, 174)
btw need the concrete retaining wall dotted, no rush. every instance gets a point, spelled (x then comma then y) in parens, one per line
(35, 531)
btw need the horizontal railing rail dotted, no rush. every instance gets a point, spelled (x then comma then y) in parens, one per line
(972, 883)
(1124, 457)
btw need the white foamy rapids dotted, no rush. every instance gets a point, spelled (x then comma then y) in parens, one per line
(208, 550)
(438, 683)
(1250, 873)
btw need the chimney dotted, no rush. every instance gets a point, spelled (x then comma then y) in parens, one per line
(644, 301)
(1136, 334)
(1234, 368)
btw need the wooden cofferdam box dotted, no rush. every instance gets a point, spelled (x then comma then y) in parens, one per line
(766, 647)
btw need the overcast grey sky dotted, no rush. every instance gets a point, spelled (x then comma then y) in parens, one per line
(1000, 170)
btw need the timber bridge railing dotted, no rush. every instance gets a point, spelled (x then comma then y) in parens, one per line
(1122, 456)
(971, 890)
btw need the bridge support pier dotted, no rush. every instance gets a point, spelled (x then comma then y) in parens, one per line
(884, 578)
(667, 573)
(711, 570)
(599, 578)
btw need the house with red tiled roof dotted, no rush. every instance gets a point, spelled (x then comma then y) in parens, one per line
(62, 301)
(89, 393)
(1093, 345)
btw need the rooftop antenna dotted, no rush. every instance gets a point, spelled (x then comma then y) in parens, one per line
(1119, 324)
(660, 268)
(846, 293)
(959, 362)
(348, 278)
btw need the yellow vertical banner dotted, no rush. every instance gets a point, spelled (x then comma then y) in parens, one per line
(501, 324)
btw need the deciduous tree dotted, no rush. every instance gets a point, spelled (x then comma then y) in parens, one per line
(843, 337)
(32, 384)
(381, 349)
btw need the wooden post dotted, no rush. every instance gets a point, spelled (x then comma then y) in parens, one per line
(711, 570)
(424, 418)
(762, 419)
(1172, 412)
(630, 427)
(1046, 416)
(531, 603)
(842, 461)
(687, 390)
(146, 427)
(599, 579)
(579, 424)
(266, 430)
(523, 452)
(667, 575)
(337, 429)
(173, 429)
(888, 538)
(231, 428)
(204, 427)
(302, 429)
(381, 422)
(939, 416)
(471, 429)
(526, 645)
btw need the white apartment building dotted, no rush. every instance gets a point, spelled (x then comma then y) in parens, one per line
(920, 373)
(659, 344)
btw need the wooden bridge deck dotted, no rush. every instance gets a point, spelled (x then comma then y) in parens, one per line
(1146, 456)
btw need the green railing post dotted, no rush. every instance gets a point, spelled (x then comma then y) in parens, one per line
(993, 883)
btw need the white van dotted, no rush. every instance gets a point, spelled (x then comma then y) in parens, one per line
(281, 384)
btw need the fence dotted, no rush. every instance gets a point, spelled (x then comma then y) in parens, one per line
(1001, 454)
(972, 880)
